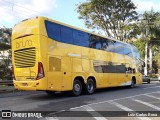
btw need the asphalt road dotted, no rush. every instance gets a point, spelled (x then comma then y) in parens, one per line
(143, 102)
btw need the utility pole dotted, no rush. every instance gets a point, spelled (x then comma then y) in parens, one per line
(146, 49)
(150, 59)
(146, 54)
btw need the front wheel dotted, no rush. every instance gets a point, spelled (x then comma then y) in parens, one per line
(90, 86)
(77, 87)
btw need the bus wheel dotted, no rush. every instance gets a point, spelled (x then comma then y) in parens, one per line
(90, 86)
(77, 87)
(149, 81)
(50, 92)
(132, 83)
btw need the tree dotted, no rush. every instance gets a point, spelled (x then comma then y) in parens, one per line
(5, 46)
(114, 17)
(150, 26)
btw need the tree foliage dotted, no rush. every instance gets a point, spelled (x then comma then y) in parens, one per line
(112, 16)
(151, 22)
(150, 29)
(5, 38)
(5, 44)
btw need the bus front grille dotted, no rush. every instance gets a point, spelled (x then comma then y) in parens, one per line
(25, 57)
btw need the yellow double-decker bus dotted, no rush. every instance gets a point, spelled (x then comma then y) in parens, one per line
(52, 56)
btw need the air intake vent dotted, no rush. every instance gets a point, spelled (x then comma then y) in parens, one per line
(25, 57)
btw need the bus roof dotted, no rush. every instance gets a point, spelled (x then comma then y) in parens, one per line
(41, 18)
(45, 18)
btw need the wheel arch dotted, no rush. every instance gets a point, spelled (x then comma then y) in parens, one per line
(134, 79)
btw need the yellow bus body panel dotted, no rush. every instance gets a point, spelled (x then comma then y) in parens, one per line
(62, 62)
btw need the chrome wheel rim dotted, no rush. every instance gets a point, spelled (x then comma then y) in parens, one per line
(77, 87)
(90, 87)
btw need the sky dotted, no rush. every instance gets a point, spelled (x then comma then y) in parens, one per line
(14, 11)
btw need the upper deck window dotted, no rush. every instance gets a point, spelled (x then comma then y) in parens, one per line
(72, 36)
(53, 30)
(66, 35)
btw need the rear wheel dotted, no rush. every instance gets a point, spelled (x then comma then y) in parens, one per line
(149, 81)
(77, 87)
(50, 92)
(132, 83)
(90, 86)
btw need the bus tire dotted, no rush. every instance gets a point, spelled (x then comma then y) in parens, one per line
(77, 87)
(90, 86)
(132, 83)
(50, 92)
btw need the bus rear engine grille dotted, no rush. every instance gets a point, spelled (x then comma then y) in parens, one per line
(25, 57)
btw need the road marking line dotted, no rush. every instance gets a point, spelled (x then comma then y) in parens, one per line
(120, 106)
(123, 98)
(114, 100)
(127, 109)
(76, 108)
(147, 104)
(151, 87)
(96, 115)
(153, 97)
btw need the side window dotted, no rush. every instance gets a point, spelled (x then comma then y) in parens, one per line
(80, 38)
(98, 45)
(104, 46)
(53, 30)
(95, 42)
(66, 35)
(128, 51)
(110, 46)
(119, 47)
(135, 51)
(92, 45)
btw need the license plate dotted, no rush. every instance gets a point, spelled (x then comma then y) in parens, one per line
(24, 84)
(18, 78)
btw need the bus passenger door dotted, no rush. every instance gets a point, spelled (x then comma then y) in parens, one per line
(66, 73)
(128, 74)
(54, 73)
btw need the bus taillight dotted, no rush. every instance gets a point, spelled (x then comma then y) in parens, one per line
(13, 73)
(40, 73)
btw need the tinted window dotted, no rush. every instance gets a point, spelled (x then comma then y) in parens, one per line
(66, 35)
(104, 45)
(135, 52)
(80, 38)
(119, 47)
(108, 67)
(127, 51)
(98, 45)
(53, 30)
(94, 41)
(110, 46)
(69, 35)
